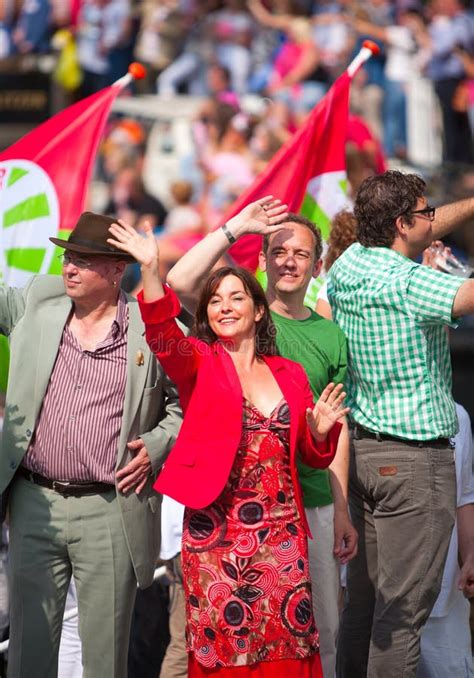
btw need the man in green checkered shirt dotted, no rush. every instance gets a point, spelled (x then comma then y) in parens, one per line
(402, 480)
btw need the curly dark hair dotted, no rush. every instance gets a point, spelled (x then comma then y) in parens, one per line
(341, 236)
(300, 219)
(265, 331)
(380, 201)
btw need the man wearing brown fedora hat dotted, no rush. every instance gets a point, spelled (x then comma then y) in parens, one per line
(89, 420)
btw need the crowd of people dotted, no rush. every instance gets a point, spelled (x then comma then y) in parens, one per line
(286, 54)
(289, 51)
(242, 423)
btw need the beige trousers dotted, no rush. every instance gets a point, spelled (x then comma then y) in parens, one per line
(175, 662)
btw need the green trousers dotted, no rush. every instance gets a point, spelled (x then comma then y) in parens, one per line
(52, 538)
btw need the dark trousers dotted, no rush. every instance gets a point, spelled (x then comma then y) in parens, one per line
(402, 502)
(149, 635)
(457, 131)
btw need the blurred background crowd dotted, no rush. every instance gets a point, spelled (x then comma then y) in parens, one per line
(253, 69)
(228, 82)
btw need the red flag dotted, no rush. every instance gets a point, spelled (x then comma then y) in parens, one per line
(44, 179)
(317, 148)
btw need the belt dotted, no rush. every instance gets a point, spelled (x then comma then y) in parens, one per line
(360, 432)
(65, 487)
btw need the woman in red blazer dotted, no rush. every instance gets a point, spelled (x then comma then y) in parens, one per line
(247, 413)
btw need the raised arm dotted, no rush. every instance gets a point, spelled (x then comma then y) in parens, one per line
(304, 66)
(365, 27)
(189, 274)
(263, 16)
(159, 307)
(145, 251)
(452, 216)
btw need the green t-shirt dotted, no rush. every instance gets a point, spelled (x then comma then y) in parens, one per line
(320, 347)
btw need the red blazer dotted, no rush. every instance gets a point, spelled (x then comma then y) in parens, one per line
(197, 469)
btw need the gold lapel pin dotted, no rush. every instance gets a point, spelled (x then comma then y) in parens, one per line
(140, 358)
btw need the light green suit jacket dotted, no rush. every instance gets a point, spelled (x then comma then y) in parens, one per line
(34, 319)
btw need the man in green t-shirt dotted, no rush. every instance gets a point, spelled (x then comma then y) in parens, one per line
(291, 256)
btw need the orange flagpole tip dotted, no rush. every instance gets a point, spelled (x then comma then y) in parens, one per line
(137, 71)
(374, 48)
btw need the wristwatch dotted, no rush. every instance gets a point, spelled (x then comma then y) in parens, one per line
(231, 238)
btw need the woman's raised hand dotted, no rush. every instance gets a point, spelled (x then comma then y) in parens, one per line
(264, 216)
(144, 248)
(328, 409)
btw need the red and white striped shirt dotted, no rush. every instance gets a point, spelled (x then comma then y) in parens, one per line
(76, 436)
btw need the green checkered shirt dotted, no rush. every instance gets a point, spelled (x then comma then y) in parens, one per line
(393, 312)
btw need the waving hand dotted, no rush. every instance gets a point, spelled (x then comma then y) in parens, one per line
(145, 250)
(328, 409)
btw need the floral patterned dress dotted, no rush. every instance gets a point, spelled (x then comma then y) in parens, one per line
(245, 561)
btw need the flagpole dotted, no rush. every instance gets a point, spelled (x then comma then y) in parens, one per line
(367, 50)
(135, 72)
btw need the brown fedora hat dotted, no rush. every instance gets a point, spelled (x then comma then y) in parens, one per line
(90, 237)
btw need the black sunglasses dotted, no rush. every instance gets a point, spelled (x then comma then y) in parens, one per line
(429, 211)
